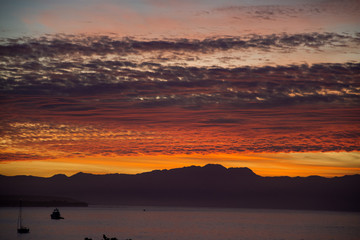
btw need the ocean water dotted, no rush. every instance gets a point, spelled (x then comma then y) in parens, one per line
(170, 223)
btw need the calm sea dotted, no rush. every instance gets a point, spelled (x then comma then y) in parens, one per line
(162, 223)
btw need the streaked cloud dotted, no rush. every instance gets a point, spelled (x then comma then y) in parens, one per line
(90, 98)
(56, 45)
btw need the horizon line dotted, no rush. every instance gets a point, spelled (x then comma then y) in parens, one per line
(169, 169)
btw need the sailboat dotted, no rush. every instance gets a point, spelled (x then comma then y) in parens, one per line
(56, 214)
(20, 227)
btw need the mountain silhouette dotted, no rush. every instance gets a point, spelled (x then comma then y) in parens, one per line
(208, 186)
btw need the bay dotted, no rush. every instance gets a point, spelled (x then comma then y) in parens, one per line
(165, 223)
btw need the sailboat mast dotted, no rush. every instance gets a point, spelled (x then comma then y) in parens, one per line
(20, 216)
(21, 228)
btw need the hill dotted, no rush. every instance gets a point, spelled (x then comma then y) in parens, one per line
(208, 186)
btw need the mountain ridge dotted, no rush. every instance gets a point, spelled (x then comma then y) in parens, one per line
(211, 186)
(180, 168)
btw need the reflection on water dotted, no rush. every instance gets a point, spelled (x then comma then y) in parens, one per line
(160, 223)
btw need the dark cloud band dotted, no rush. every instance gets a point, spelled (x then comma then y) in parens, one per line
(53, 46)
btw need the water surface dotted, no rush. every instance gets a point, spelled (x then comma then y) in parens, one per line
(163, 223)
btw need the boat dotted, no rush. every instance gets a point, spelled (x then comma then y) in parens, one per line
(20, 227)
(56, 214)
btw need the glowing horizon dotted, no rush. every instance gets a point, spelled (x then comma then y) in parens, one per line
(276, 164)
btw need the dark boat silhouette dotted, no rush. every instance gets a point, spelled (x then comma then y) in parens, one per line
(56, 214)
(20, 227)
(106, 238)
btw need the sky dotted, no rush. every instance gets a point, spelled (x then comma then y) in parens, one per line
(118, 86)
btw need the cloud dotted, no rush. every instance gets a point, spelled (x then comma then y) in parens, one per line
(60, 45)
(86, 54)
(152, 85)
(84, 96)
(117, 130)
(19, 156)
(292, 17)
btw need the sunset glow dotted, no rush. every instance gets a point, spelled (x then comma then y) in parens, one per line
(134, 86)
